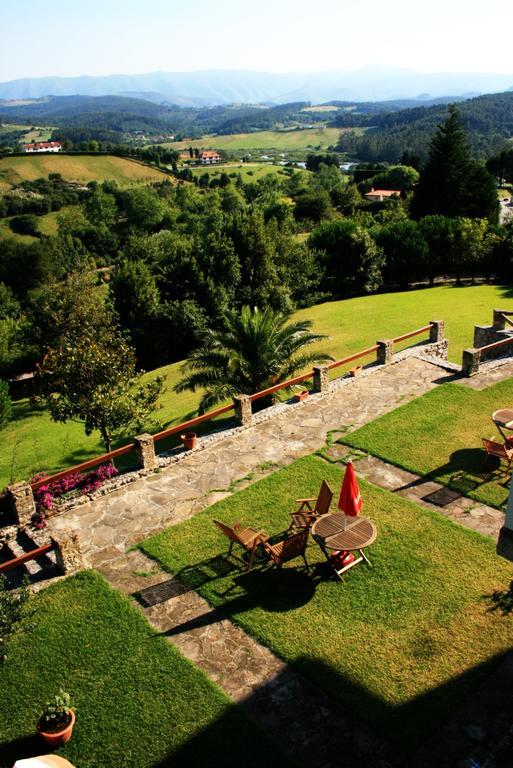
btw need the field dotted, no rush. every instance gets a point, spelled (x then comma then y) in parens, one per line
(317, 138)
(31, 442)
(248, 171)
(39, 133)
(321, 108)
(80, 168)
(139, 703)
(400, 643)
(47, 224)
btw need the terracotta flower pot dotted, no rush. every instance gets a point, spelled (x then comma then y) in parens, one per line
(299, 396)
(189, 440)
(57, 739)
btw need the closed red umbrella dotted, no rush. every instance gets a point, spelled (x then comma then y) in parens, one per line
(350, 500)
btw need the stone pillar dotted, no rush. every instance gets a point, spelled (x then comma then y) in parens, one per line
(484, 335)
(505, 543)
(321, 379)
(145, 452)
(385, 352)
(470, 362)
(243, 412)
(499, 324)
(22, 502)
(67, 552)
(437, 331)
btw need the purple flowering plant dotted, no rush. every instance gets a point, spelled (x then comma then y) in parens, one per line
(77, 483)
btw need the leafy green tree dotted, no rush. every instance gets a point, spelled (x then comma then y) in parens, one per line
(254, 351)
(90, 376)
(399, 177)
(353, 261)
(405, 249)
(452, 183)
(143, 207)
(136, 299)
(101, 207)
(26, 224)
(438, 232)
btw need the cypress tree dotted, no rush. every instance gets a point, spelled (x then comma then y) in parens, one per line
(452, 182)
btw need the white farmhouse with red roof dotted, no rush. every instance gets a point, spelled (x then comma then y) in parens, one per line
(43, 146)
(209, 156)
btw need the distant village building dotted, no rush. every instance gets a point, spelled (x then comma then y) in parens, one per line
(43, 146)
(378, 195)
(209, 156)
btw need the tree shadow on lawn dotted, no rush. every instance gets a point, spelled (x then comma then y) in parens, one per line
(469, 470)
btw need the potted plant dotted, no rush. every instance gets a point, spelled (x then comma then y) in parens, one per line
(300, 396)
(189, 440)
(57, 720)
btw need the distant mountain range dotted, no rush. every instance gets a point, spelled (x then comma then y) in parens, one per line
(211, 87)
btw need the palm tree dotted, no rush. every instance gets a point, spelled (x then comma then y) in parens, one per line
(256, 350)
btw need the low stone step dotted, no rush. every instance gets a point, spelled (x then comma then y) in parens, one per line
(32, 567)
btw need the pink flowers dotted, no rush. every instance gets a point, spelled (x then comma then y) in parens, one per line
(46, 494)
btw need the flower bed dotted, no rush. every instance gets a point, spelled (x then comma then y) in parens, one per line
(48, 496)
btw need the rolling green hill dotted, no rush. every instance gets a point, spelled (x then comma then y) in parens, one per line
(81, 168)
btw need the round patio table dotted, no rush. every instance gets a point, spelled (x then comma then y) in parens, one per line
(336, 531)
(503, 418)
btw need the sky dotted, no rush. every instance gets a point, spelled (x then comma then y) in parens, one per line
(100, 37)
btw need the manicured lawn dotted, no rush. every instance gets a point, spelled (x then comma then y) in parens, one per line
(139, 703)
(83, 168)
(400, 643)
(31, 442)
(439, 435)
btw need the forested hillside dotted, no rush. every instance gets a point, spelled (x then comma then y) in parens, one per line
(488, 120)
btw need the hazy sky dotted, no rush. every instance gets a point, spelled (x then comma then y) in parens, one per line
(97, 37)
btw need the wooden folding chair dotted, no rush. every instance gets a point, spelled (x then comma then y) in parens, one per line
(247, 538)
(305, 515)
(499, 450)
(288, 549)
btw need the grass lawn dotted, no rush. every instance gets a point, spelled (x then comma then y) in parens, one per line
(139, 703)
(400, 643)
(81, 168)
(31, 442)
(321, 137)
(439, 435)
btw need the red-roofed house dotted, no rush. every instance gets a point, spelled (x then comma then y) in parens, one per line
(209, 156)
(43, 146)
(382, 194)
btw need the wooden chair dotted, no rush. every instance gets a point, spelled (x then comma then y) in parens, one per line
(305, 515)
(500, 450)
(288, 549)
(247, 538)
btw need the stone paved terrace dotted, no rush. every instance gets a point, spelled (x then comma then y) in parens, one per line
(110, 524)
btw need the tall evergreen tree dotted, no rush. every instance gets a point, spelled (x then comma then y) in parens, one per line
(452, 182)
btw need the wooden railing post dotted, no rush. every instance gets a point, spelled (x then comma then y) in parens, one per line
(321, 380)
(145, 451)
(385, 351)
(243, 411)
(22, 502)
